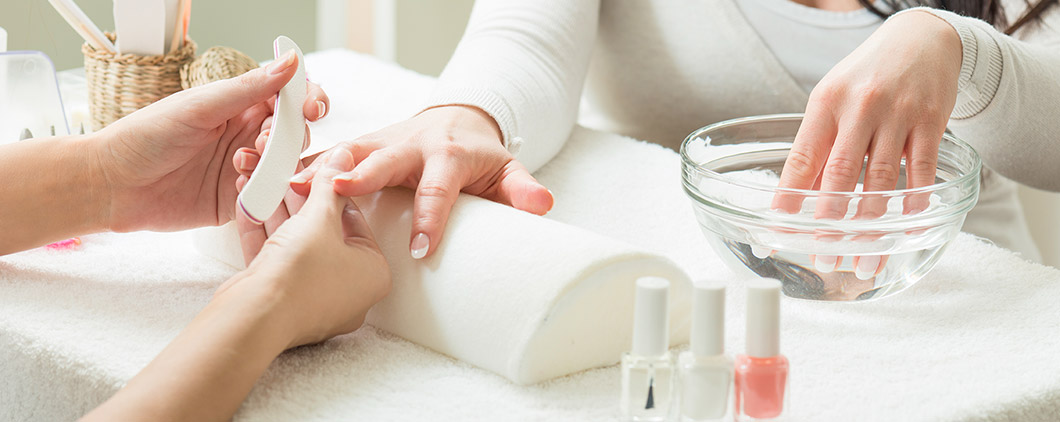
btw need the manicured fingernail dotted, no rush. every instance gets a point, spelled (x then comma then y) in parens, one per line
(760, 252)
(420, 245)
(345, 177)
(825, 263)
(279, 65)
(867, 266)
(323, 109)
(299, 179)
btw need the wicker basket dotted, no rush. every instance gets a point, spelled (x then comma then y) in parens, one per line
(215, 64)
(119, 84)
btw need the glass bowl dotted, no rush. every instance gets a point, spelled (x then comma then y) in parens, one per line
(884, 242)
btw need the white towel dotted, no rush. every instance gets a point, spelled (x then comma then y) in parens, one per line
(520, 295)
(976, 340)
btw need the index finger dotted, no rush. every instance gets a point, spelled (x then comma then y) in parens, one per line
(806, 159)
(322, 195)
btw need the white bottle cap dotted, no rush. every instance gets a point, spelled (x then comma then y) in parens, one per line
(651, 317)
(708, 319)
(763, 318)
(3, 40)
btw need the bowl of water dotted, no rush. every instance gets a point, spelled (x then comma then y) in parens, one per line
(871, 245)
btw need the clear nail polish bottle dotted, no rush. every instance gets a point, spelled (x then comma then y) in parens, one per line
(761, 375)
(705, 371)
(648, 370)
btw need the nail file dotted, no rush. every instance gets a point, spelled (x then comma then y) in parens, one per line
(264, 191)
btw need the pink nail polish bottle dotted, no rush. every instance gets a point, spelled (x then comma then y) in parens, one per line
(761, 374)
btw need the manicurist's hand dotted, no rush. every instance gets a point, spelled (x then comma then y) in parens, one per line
(891, 98)
(167, 165)
(323, 258)
(439, 153)
(314, 277)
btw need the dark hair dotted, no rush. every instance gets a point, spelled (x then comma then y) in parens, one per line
(987, 10)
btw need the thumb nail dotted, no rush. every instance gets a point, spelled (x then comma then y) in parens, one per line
(281, 64)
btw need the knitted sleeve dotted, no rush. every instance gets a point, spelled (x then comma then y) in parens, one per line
(1008, 101)
(523, 63)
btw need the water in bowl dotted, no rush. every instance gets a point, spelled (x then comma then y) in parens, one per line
(890, 262)
(796, 270)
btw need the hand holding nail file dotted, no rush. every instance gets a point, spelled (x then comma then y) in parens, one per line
(267, 186)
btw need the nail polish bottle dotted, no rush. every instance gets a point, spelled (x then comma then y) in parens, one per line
(705, 371)
(648, 370)
(761, 374)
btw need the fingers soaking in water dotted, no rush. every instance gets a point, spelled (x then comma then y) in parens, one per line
(874, 108)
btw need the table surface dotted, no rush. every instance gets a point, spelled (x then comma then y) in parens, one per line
(976, 340)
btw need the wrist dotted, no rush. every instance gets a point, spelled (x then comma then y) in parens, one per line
(929, 26)
(94, 175)
(470, 118)
(257, 299)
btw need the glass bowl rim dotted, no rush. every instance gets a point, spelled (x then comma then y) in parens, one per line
(688, 164)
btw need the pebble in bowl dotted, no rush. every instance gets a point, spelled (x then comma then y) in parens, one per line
(885, 242)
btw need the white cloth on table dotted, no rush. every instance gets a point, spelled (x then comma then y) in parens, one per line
(974, 341)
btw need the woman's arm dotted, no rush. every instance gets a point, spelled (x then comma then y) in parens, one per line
(314, 277)
(210, 367)
(1009, 96)
(52, 189)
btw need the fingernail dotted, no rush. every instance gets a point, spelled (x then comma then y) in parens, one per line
(340, 160)
(345, 177)
(760, 252)
(279, 65)
(867, 266)
(299, 179)
(420, 245)
(323, 109)
(825, 263)
(243, 163)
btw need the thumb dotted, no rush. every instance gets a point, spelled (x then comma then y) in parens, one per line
(222, 100)
(522, 191)
(322, 195)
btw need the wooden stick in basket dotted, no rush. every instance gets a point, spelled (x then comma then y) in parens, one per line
(82, 24)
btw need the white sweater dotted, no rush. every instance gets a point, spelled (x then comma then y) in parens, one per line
(661, 69)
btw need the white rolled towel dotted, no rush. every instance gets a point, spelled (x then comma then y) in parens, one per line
(520, 295)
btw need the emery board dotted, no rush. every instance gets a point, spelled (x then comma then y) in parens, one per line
(264, 191)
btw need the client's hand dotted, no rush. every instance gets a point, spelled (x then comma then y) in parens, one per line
(438, 153)
(891, 97)
(166, 166)
(322, 264)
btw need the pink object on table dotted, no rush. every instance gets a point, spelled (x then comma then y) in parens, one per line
(65, 244)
